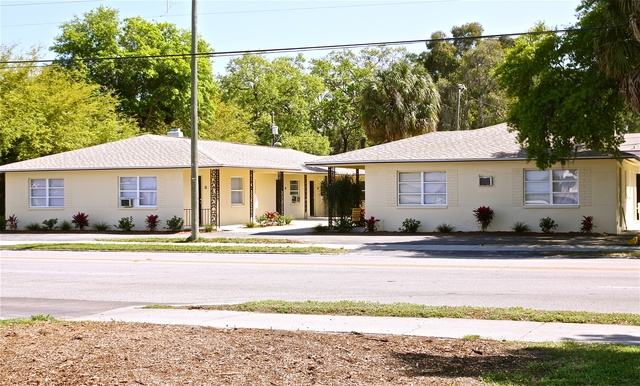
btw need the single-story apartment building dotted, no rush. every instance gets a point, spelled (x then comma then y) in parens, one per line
(151, 174)
(442, 177)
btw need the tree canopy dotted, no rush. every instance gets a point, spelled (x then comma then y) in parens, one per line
(153, 87)
(46, 111)
(565, 98)
(399, 102)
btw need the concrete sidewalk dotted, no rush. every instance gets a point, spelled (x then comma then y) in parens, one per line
(433, 327)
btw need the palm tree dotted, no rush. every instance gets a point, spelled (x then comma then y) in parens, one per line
(399, 102)
(617, 50)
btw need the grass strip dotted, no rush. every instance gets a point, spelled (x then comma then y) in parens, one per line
(141, 247)
(572, 363)
(407, 310)
(32, 320)
(217, 240)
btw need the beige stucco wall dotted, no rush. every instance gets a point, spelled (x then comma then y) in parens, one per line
(96, 194)
(597, 188)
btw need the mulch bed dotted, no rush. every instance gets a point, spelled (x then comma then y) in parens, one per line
(116, 353)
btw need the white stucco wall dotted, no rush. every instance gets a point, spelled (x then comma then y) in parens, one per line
(598, 193)
(95, 193)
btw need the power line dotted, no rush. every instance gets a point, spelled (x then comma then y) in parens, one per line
(310, 48)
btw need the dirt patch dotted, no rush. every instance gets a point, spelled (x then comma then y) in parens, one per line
(93, 353)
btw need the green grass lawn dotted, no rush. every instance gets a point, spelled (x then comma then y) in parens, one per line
(175, 247)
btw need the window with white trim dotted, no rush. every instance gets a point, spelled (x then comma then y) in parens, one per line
(138, 192)
(422, 188)
(294, 191)
(551, 187)
(237, 191)
(46, 193)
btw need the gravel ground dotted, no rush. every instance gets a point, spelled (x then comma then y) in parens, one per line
(116, 353)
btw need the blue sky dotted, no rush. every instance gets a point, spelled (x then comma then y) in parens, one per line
(245, 25)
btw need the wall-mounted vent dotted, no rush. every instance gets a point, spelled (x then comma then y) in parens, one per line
(485, 181)
(126, 202)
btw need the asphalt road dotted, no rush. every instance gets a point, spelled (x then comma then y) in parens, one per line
(73, 284)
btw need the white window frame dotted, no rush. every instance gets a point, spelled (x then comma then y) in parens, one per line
(51, 190)
(424, 187)
(136, 190)
(236, 190)
(552, 189)
(294, 191)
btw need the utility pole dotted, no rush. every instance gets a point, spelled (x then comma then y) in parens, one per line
(195, 189)
(460, 88)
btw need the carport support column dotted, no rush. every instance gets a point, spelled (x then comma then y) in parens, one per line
(306, 213)
(331, 205)
(214, 191)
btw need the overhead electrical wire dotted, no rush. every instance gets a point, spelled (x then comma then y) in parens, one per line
(308, 48)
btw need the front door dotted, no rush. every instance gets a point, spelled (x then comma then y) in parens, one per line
(312, 206)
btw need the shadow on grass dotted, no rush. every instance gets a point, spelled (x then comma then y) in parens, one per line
(566, 363)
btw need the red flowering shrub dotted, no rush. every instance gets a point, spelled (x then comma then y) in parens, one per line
(484, 217)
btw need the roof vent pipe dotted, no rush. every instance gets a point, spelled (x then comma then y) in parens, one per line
(175, 132)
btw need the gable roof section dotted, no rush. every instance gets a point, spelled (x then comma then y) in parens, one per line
(492, 143)
(163, 152)
(631, 144)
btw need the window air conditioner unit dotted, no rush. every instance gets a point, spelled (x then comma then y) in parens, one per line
(126, 202)
(485, 181)
(295, 199)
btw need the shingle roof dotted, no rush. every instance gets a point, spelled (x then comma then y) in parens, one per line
(631, 144)
(490, 143)
(164, 152)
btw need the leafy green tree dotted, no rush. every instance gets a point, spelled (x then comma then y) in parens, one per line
(229, 124)
(47, 111)
(563, 101)
(152, 86)
(464, 59)
(617, 50)
(282, 86)
(399, 102)
(344, 74)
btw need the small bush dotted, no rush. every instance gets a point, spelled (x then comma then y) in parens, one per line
(547, 225)
(321, 228)
(80, 220)
(34, 226)
(287, 219)
(250, 224)
(125, 224)
(50, 224)
(175, 224)
(65, 226)
(586, 225)
(520, 227)
(445, 228)
(152, 222)
(208, 228)
(101, 226)
(484, 217)
(410, 225)
(371, 224)
(344, 225)
(12, 222)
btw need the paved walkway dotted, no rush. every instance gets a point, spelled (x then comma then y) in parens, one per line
(434, 327)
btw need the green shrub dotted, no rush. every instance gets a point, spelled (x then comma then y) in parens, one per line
(101, 226)
(250, 224)
(34, 226)
(11, 222)
(445, 228)
(175, 224)
(125, 224)
(520, 227)
(208, 228)
(65, 226)
(321, 228)
(484, 217)
(547, 225)
(288, 219)
(344, 225)
(410, 225)
(50, 224)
